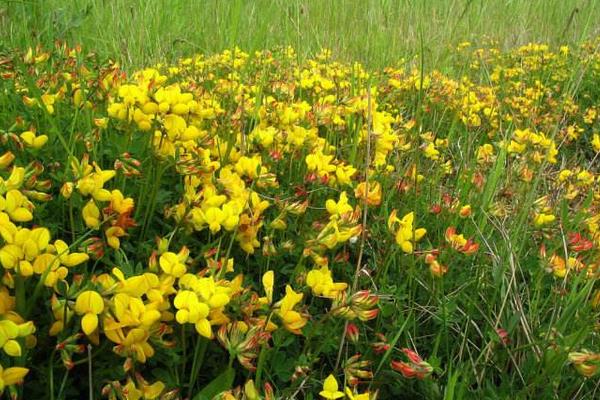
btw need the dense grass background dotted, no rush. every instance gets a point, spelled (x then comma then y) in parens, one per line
(375, 32)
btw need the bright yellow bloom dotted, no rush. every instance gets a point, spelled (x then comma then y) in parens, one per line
(337, 209)
(373, 195)
(91, 215)
(596, 142)
(268, 282)
(112, 236)
(292, 320)
(31, 140)
(406, 234)
(355, 396)
(330, 389)
(11, 376)
(173, 264)
(89, 304)
(16, 205)
(192, 310)
(322, 284)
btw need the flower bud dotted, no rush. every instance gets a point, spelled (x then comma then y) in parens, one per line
(352, 332)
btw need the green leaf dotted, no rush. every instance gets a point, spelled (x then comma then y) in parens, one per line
(221, 383)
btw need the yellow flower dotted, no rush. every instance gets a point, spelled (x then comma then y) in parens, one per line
(352, 396)
(192, 310)
(322, 284)
(11, 376)
(372, 195)
(268, 282)
(146, 391)
(320, 163)
(173, 264)
(330, 389)
(9, 331)
(119, 203)
(91, 215)
(596, 142)
(112, 236)
(6, 159)
(406, 235)
(337, 209)
(92, 184)
(542, 219)
(89, 304)
(31, 140)
(292, 320)
(67, 258)
(16, 205)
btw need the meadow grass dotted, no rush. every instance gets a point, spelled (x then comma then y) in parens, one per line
(374, 32)
(501, 323)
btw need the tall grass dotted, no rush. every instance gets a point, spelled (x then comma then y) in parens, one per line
(375, 32)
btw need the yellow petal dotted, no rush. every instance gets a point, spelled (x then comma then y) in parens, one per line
(203, 328)
(89, 323)
(12, 348)
(14, 375)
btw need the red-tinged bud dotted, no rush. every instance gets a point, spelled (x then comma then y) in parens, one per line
(367, 315)
(30, 181)
(412, 355)
(503, 335)
(35, 168)
(429, 258)
(300, 191)
(276, 155)
(43, 185)
(38, 196)
(211, 252)
(352, 332)
(415, 368)
(93, 246)
(579, 243)
(107, 390)
(364, 298)
(465, 211)
(6, 159)
(311, 177)
(67, 190)
(29, 101)
(447, 199)
(470, 247)
(478, 180)
(66, 359)
(543, 251)
(437, 270)
(405, 369)
(450, 232)
(585, 362)
(357, 370)
(382, 345)
(153, 262)
(299, 372)
(268, 391)
(77, 279)
(128, 364)
(435, 209)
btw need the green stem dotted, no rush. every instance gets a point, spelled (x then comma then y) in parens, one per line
(199, 352)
